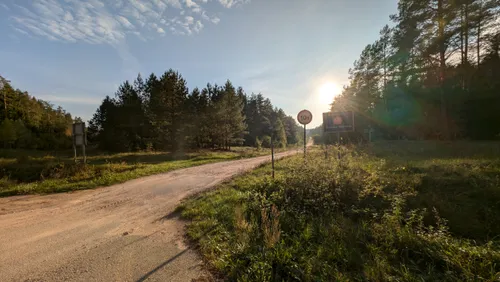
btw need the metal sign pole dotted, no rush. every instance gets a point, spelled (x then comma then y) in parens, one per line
(304, 140)
(74, 148)
(84, 155)
(74, 141)
(304, 117)
(272, 153)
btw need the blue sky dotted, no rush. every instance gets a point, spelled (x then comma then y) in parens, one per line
(74, 52)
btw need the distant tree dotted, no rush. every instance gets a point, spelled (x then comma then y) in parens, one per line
(23, 136)
(167, 100)
(159, 113)
(292, 130)
(37, 124)
(233, 116)
(103, 126)
(7, 133)
(131, 115)
(418, 80)
(279, 134)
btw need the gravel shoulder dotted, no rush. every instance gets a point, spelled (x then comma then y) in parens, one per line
(125, 232)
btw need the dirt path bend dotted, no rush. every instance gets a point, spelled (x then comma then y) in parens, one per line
(117, 233)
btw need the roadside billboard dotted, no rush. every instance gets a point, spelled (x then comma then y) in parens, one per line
(334, 122)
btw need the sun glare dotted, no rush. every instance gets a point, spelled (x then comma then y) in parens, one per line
(328, 91)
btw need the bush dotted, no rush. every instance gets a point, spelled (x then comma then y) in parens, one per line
(317, 139)
(258, 143)
(266, 141)
(359, 218)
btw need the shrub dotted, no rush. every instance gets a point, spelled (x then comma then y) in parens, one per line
(354, 217)
(258, 143)
(266, 141)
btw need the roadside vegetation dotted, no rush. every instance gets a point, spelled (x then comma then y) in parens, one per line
(144, 120)
(397, 211)
(35, 172)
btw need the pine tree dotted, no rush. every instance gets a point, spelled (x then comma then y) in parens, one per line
(104, 127)
(279, 134)
(7, 133)
(233, 116)
(408, 84)
(167, 99)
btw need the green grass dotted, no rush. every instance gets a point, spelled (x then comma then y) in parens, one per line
(400, 211)
(36, 172)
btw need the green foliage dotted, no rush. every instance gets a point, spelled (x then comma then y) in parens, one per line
(30, 123)
(35, 172)
(23, 135)
(433, 75)
(266, 141)
(258, 143)
(262, 118)
(280, 134)
(407, 211)
(160, 114)
(7, 133)
(317, 139)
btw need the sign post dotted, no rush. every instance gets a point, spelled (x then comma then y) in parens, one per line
(272, 152)
(337, 122)
(304, 117)
(74, 148)
(80, 139)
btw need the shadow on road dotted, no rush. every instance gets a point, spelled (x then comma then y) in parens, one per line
(146, 276)
(172, 215)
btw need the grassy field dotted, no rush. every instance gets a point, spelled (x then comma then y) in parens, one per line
(35, 172)
(401, 211)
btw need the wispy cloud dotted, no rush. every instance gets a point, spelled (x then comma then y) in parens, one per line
(4, 6)
(71, 100)
(110, 22)
(125, 22)
(215, 20)
(230, 3)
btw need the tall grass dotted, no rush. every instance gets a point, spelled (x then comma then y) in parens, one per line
(379, 213)
(32, 172)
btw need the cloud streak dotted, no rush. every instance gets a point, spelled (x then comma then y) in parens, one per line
(71, 100)
(111, 22)
(231, 3)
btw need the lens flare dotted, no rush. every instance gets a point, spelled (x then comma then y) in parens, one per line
(327, 92)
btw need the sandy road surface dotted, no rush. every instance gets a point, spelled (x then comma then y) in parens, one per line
(119, 233)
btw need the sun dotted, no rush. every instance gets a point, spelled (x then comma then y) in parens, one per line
(327, 92)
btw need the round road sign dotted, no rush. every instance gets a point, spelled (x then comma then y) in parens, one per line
(304, 117)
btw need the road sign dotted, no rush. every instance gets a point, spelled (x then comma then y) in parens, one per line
(304, 117)
(338, 122)
(79, 138)
(78, 128)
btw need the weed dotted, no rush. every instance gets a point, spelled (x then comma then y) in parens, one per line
(408, 211)
(270, 226)
(28, 172)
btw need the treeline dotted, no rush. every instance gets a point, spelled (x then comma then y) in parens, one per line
(160, 113)
(434, 75)
(30, 123)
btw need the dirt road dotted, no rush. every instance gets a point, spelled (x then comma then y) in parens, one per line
(124, 232)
